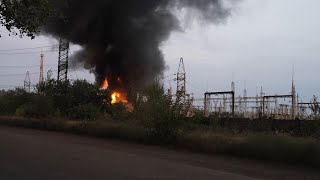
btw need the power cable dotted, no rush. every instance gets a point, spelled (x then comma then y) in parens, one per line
(195, 87)
(168, 76)
(19, 49)
(31, 66)
(17, 74)
(8, 54)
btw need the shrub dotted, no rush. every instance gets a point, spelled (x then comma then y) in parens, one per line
(279, 148)
(159, 115)
(38, 107)
(20, 111)
(12, 99)
(119, 112)
(84, 111)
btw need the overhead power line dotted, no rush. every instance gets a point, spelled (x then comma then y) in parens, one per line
(31, 66)
(17, 74)
(168, 76)
(34, 52)
(28, 48)
(196, 87)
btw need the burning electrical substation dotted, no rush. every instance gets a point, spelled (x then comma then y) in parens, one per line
(226, 104)
(142, 89)
(120, 43)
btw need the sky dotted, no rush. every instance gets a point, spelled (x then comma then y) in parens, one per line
(261, 44)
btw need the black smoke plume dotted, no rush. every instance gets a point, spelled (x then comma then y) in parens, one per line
(121, 38)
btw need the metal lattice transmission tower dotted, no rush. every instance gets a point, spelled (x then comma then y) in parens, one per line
(27, 83)
(41, 79)
(181, 81)
(63, 60)
(49, 75)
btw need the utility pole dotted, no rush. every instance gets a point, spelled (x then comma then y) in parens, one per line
(27, 83)
(41, 79)
(63, 60)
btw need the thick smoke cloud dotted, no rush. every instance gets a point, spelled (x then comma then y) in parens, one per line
(121, 38)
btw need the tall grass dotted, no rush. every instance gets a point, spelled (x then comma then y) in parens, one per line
(282, 148)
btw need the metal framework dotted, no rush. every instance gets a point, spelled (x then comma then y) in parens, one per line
(276, 97)
(41, 79)
(181, 82)
(207, 98)
(27, 83)
(302, 107)
(63, 60)
(244, 106)
(49, 74)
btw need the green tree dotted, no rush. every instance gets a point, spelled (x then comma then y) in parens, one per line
(12, 99)
(25, 17)
(159, 114)
(78, 99)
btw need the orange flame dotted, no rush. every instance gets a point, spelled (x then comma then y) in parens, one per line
(118, 97)
(105, 84)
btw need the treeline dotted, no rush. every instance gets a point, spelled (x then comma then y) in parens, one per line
(158, 114)
(75, 100)
(153, 110)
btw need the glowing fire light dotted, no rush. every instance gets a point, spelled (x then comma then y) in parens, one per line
(105, 84)
(117, 97)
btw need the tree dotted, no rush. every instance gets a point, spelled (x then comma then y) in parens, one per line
(25, 17)
(159, 114)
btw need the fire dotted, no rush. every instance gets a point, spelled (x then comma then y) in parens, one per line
(105, 84)
(118, 97)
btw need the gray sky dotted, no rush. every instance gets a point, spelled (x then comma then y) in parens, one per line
(259, 44)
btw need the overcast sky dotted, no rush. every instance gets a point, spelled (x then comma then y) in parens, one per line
(259, 44)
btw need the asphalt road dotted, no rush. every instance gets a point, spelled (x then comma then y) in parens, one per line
(32, 154)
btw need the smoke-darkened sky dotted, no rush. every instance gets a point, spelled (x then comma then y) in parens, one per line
(121, 39)
(259, 43)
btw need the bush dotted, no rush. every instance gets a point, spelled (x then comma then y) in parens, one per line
(159, 115)
(38, 107)
(260, 125)
(12, 99)
(279, 148)
(309, 128)
(119, 112)
(20, 111)
(84, 112)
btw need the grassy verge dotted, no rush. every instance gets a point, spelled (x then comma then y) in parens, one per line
(263, 147)
(280, 148)
(94, 128)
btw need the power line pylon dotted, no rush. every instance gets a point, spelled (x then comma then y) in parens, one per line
(41, 79)
(294, 97)
(181, 82)
(49, 75)
(63, 60)
(27, 83)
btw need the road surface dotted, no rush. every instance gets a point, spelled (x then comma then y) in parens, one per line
(32, 154)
